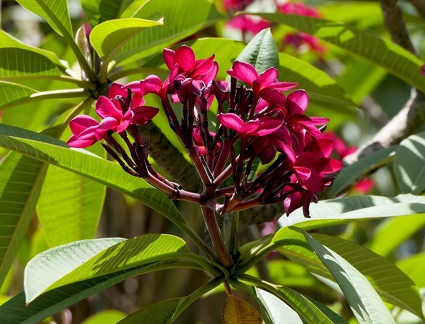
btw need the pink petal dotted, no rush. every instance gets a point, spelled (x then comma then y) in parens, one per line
(144, 114)
(107, 124)
(116, 89)
(81, 122)
(80, 143)
(231, 121)
(152, 84)
(282, 86)
(250, 127)
(105, 107)
(202, 67)
(267, 77)
(274, 97)
(244, 72)
(268, 126)
(133, 86)
(212, 74)
(169, 57)
(332, 166)
(299, 98)
(322, 146)
(319, 120)
(185, 58)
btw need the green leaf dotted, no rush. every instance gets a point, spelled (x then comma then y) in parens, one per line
(239, 311)
(87, 259)
(364, 301)
(16, 311)
(274, 309)
(91, 11)
(389, 281)
(409, 168)
(108, 37)
(414, 267)
(157, 313)
(17, 62)
(55, 12)
(389, 234)
(7, 41)
(109, 316)
(111, 9)
(79, 161)
(349, 174)
(12, 94)
(21, 179)
(181, 19)
(261, 52)
(343, 210)
(374, 48)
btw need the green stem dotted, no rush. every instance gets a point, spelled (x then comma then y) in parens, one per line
(64, 78)
(61, 94)
(201, 262)
(188, 300)
(233, 235)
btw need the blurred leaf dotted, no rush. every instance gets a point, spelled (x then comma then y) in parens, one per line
(389, 234)
(108, 37)
(12, 94)
(55, 12)
(261, 52)
(349, 174)
(378, 50)
(409, 167)
(82, 260)
(16, 311)
(17, 62)
(237, 311)
(181, 19)
(56, 152)
(109, 316)
(157, 313)
(111, 9)
(275, 310)
(91, 11)
(344, 210)
(21, 179)
(389, 281)
(414, 267)
(361, 13)
(364, 301)
(7, 41)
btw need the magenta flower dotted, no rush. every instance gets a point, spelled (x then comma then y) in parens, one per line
(236, 5)
(246, 73)
(297, 8)
(260, 126)
(246, 23)
(297, 199)
(84, 131)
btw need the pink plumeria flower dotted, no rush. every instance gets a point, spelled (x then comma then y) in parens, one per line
(246, 23)
(260, 126)
(84, 131)
(246, 73)
(297, 8)
(235, 5)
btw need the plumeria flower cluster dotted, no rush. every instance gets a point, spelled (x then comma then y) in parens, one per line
(257, 122)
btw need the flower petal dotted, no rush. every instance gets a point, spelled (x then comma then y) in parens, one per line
(80, 143)
(81, 122)
(105, 107)
(299, 98)
(116, 89)
(168, 57)
(185, 58)
(151, 84)
(107, 124)
(143, 114)
(267, 77)
(244, 72)
(231, 121)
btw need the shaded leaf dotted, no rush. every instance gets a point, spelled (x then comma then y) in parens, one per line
(349, 174)
(21, 179)
(237, 310)
(87, 259)
(389, 281)
(111, 9)
(261, 52)
(343, 210)
(372, 47)
(364, 301)
(55, 12)
(159, 313)
(91, 11)
(12, 94)
(409, 168)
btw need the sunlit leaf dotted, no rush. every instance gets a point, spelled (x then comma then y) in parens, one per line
(414, 267)
(372, 47)
(111, 9)
(87, 259)
(109, 316)
(392, 284)
(409, 168)
(12, 94)
(364, 301)
(55, 12)
(157, 313)
(21, 179)
(239, 311)
(349, 174)
(343, 210)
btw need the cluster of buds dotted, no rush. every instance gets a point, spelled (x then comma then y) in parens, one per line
(254, 123)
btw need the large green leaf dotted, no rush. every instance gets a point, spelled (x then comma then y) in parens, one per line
(364, 301)
(343, 210)
(7, 41)
(21, 179)
(108, 37)
(181, 19)
(91, 11)
(79, 161)
(349, 174)
(16, 311)
(157, 313)
(389, 281)
(55, 12)
(414, 267)
(261, 52)
(374, 48)
(409, 167)
(239, 311)
(111, 9)
(17, 62)
(82, 260)
(12, 94)
(394, 231)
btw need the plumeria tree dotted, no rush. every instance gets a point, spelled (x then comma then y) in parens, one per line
(226, 119)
